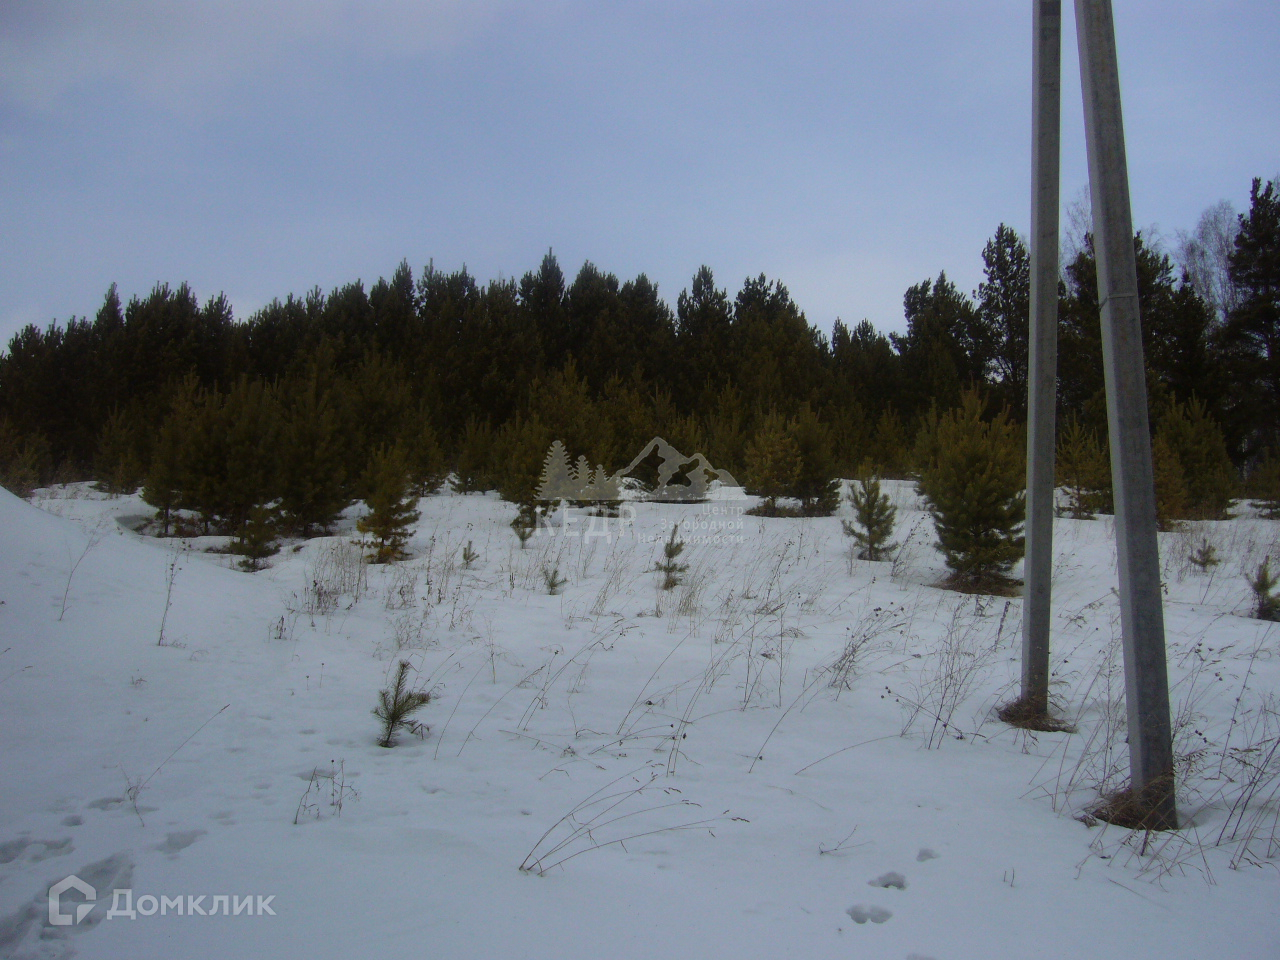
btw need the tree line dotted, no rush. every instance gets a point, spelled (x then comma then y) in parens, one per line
(301, 405)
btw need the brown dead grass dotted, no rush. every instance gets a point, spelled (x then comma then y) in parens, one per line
(1030, 716)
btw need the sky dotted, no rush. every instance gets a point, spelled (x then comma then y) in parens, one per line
(847, 149)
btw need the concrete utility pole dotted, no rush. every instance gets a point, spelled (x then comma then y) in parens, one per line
(1141, 606)
(1042, 355)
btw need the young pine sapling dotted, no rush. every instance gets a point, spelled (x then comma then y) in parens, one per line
(1266, 603)
(395, 706)
(669, 566)
(257, 539)
(873, 519)
(1204, 556)
(551, 577)
(525, 522)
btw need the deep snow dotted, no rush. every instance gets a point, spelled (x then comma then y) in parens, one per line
(764, 811)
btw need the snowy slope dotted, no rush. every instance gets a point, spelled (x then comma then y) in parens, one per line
(763, 811)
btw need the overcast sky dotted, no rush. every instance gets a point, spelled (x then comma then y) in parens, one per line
(848, 149)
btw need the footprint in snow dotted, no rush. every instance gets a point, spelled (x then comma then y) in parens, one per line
(52, 848)
(33, 851)
(11, 850)
(28, 931)
(179, 841)
(891, 879)
(925, 854)
(861, 914)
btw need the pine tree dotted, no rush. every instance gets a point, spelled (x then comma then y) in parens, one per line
(169, 483)
(118, 462)
(1264, 485)
(395, 705)
(525, 522)
(257, 539)
(975, 492)
(873, 519)
(426, 459)
(1197, 442)
(924, 447)
(1170, 482)
(518, 453)
(817, 487)
(773, 463)
(23, 460)
(1205, 555)
(1003, 312)
(1252, 331)
(1263, 583)
(475, 458)
(390, 502)
(248, 447)
(890, 447)
(1083, 470)
(669, 566)
(314, 479)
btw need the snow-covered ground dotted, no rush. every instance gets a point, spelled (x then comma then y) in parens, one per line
(787, 755)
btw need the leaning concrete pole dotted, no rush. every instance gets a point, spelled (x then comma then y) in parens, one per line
(1042, 351)
(1141, 609)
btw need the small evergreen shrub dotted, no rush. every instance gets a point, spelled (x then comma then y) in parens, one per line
(397, 704)
(525, 522)
(773, 464)
(1204, 556)
(669, 566)
(1172, 499)
(390, 501)
(1264, 485)
(1266, 605)
(873, 519)
(551, 577)
(474, 471)
(816, 485)
(117, 461)
(257, 539)
(975, 491)
(23, 460)
(889, 440)
(1208, 478)
(1083, 471)
(426, 459)
(469, 556)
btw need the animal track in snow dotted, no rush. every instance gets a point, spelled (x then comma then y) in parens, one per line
(178, 841)
(34, 850)
(28, 932)
(52, 848)
(890, 879)
(10, 850)
(861, 914)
